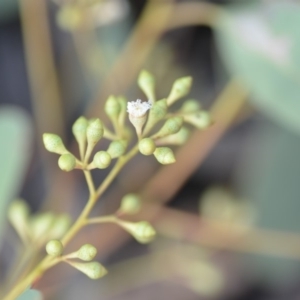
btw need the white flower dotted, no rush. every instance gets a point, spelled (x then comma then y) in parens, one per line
(138, 108)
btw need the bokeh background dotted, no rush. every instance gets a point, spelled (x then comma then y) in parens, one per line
(227, 213)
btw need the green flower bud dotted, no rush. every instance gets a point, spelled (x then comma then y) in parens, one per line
(41, 224)
(67, 162)
(164, 155)
(87, 252)
(112, 107)
(177, 139)
(171, 126)
(190, 106)
(102, 160)
(117, 148)
(60, 226)
(54, 248)
(143, 232)
(147, 146)
(53, 143)
(93, 269)
(94, 131)
(69, 17)
(123, 104)
(18, 213)
(200, 120)
(146, 82)
(180, 88)
(79, 131)
(130, 204)
(157, 112)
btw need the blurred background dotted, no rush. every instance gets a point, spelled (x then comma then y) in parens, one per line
(227, 213)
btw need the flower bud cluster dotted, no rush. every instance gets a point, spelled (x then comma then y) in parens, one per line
(146, 117)
(86, 253)
(87, 134)
(37, 228)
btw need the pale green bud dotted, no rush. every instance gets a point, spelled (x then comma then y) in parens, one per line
(101, 160)
(117, 148)
(41, 224)
(93, 270)
(164, 155)
(143, 232)
(130, 204)
(171, 126)
(94, 131)
(147, 146)
(69, 17)
(200, 120)
(53, 143)
(60, 226)
(79, 130)
(180, 88)
(157, 112)
(123, 104)
(146, 82)
(87, 252)
(54, 248)
(190, 106)
(177, 139)
(112, 107)
(67, 162)
(18, 213)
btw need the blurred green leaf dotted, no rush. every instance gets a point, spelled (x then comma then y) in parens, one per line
(269, 176)
(15, 151)
(30, 295)
(260, 44)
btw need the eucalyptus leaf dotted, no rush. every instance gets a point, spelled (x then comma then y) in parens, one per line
(15, 151)
(269, 176)
(30, 295)
(260, 44)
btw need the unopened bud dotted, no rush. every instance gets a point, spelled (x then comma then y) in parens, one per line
(60, 226)
(143, 232)
(117, 148)
(41, 224)
(93, 270)
(130, 204)
(164, 155)
(94, 131)
(53, 143)
(87, 252)
(102, 160)
(79, 131)
(112, 107)
(171, 126)
(67, 162)
(147, 146)
(180, 88)
(54, 248)
(123, 104)
(157, 112)
(190, 106)
(146, 82)
(177, 139)
(18, 213)
(200, 120)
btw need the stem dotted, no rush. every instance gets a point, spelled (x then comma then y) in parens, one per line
(89, 181)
